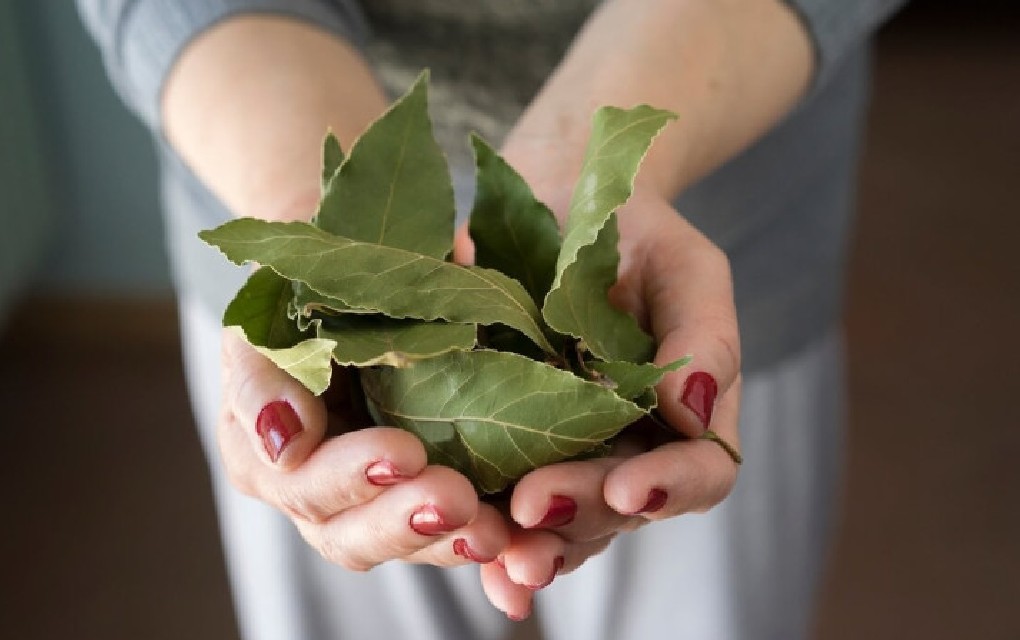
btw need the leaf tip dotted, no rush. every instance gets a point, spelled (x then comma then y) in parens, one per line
(422, 81)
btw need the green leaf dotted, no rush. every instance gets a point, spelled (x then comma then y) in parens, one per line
(648, 399)
(607, 332)
(366, 340)
(258, 313)
(260, 308)
(308, 302)
(398, 283)
(630, 380)
(332, 158)
(308, 362)
(619, 141)
(394, 188)
(499, 337)
(512, 231)
(495, 416)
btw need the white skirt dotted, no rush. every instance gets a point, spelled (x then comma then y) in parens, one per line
(748, 569)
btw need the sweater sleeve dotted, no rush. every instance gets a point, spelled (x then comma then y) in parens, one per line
(838, 27)
(140, 40)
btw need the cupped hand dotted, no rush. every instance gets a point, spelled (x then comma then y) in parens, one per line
(359, 496)
(677, 283)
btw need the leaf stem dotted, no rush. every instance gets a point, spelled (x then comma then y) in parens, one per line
(730, 450)
(727, 447)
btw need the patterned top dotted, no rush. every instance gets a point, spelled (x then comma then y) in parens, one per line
(487, 58)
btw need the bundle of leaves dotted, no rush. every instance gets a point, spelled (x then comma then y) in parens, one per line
(514, 363)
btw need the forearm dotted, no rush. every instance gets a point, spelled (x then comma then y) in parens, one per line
(729, 68)
(248, 103)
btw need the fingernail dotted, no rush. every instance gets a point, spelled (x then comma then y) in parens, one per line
(656, 500)
(699, 396)
(382, 473)
(462, 549)
(427, 521)
(561, 512)
(277, 425)
(557, 565)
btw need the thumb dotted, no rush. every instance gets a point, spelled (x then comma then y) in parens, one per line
(463, 246)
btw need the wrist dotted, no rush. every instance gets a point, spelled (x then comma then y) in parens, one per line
(551, 168)
(549, 165)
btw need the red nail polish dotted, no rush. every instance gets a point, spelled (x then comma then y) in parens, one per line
(656, 500)
(699, 396)
(382, 473)
(557, 565)
(561, 512)
(462, 549)
(427, 521)
(277, 425)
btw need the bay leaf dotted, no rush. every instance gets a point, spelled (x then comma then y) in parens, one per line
(308, 301)
(648, 399)
(367, 340)
(394, 188)
(332, 158)
(398, 283)
(309, 361)
(258, 313)
(607, 332)
(500, 337)
(495, 416)
(619, 141)
(630, 380)
(260, 308)
(512, 231)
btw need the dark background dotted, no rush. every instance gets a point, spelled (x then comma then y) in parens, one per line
(109, 530)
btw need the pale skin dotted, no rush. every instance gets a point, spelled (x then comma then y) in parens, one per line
(247, 105)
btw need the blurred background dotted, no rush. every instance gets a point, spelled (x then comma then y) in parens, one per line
(109, 529)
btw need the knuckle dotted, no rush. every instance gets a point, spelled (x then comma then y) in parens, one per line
(335, 551)
(717, 259)
(297, 503)
(729, 350)
(241, 481)
(395, 543)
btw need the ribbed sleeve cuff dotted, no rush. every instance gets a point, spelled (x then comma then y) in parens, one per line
(837, 27)
(153, 33)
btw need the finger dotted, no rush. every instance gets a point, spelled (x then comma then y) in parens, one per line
(534, 558)
(692, 313)
(401, 521)
(480, 541)
(344, 472)
(510, 598)
(679, 477)
(463, 246)
(283, 420)
(680, 283)
(568, 498)
(580, 552)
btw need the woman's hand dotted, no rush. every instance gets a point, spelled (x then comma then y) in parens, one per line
(360, 497)
(730, 70)
(677, 283)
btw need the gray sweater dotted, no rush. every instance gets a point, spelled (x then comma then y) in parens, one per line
(781, 210)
